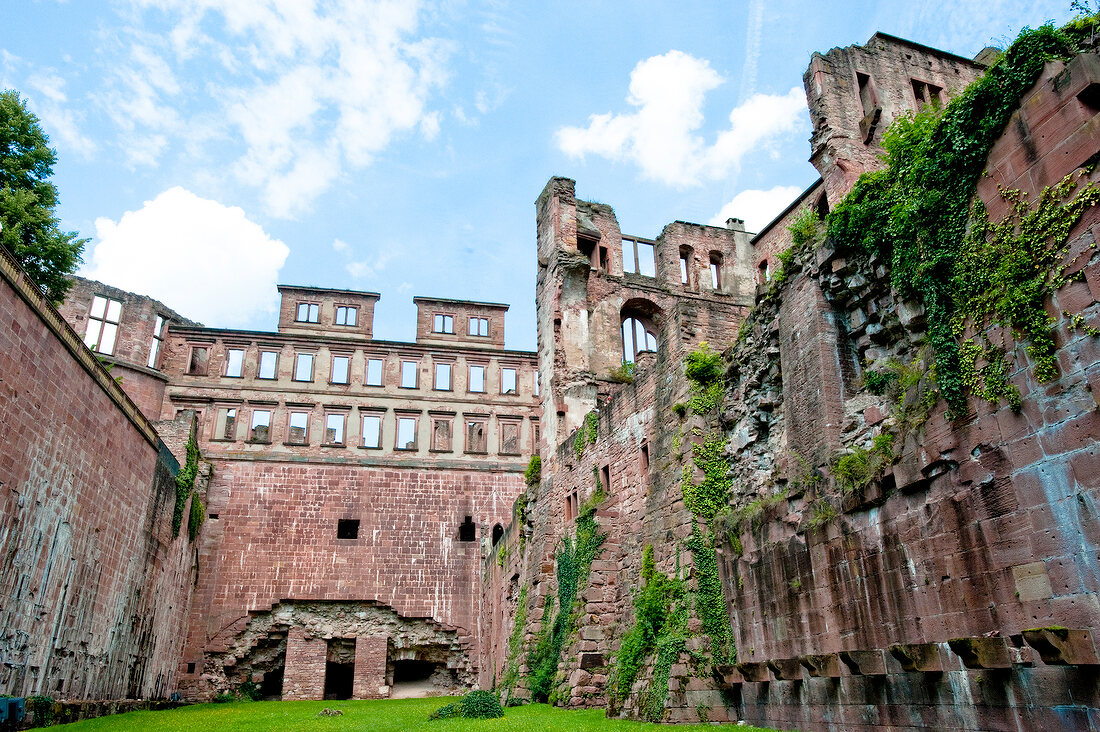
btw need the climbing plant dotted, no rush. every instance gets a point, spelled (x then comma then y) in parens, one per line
(185, 481)
(587, 433)
(652, 608)
(915, 211)
(515, 645)
(574, 561)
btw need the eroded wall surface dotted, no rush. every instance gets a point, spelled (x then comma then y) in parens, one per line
(94, 589)
(958, 589)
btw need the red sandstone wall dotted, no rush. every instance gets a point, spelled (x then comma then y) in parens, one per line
(94, 589)
(273, 537)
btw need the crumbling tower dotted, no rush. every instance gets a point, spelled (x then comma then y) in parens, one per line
(604, 298)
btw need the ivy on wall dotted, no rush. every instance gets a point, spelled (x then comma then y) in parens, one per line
(916, 211)
(574, 562)
(185, 482)
(515, 645)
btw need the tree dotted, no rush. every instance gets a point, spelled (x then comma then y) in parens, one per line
(28, 226)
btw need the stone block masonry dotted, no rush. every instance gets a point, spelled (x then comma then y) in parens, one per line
(95, 588)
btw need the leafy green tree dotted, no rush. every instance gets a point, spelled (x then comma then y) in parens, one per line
(28, 224)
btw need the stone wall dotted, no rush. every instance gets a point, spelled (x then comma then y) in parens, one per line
(272, 539)
(955, 589)
(96, 590)
(855, 93)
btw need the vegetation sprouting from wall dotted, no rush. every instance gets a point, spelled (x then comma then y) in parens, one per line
(559, 619)
(916, 214)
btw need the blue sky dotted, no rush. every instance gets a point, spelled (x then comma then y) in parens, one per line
(211, 148)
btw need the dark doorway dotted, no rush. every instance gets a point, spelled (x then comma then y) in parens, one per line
(271, 688)
(338, 680)
(339, 668)
(412, 670)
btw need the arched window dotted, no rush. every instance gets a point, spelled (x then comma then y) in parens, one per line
(638, 337)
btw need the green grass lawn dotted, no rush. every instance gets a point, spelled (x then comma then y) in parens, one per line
(390, 715)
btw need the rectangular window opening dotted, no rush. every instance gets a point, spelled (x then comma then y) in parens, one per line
(268, 362)
(475, 436)
(347, 529)
(441, 435)
(227, 424)
(346, 315)
(479, 327)
(645, 456)
(477, 380)
(605, 477)
(303, 367)
(196, 366)
(406, 433)
(509, 438)
(234, 362)
(443, 377)
(374, 372)
(261, 425)
(372, 430)
(298, 428)
(443, 323)
(308, 312)
(103, 322)
(340, 367)
(507, 381)
(158, 337)
(409, 371)
(334, 429)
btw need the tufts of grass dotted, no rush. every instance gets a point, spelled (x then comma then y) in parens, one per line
(388, 715)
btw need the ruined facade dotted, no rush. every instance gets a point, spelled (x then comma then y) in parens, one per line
(369, 532)
(954, 590)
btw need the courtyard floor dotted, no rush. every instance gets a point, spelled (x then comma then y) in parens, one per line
(391, 715)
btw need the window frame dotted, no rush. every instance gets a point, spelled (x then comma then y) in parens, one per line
(416, 373)
(381, 371)
(352, 310)
(222, 431)
(450, 376)
(229, 363)
(363, 430)
(102, 322)
(449, 421)
(470, 378)
(515, 381)
(510, 423)
(471, 330)
(191, 370)
(440, 322)
(290, 427)
(332, 369)
(274, 366)
(158, 341)
(343, 430)
(298, 355)
(313, 312)
(467, 423)
(252, 426)
(415, 419)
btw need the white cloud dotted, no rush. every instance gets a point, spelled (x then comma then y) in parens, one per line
(308, 90)
(206, 260)
(339, 245)
(662, 138)
(756, 207)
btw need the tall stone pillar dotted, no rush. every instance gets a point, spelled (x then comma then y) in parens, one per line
(369, 681)
(304, 674)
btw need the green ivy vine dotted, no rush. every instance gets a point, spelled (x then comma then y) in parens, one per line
(515, 645)
(915, 212)
(587, 433)
(574, 562)
(185, 482)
